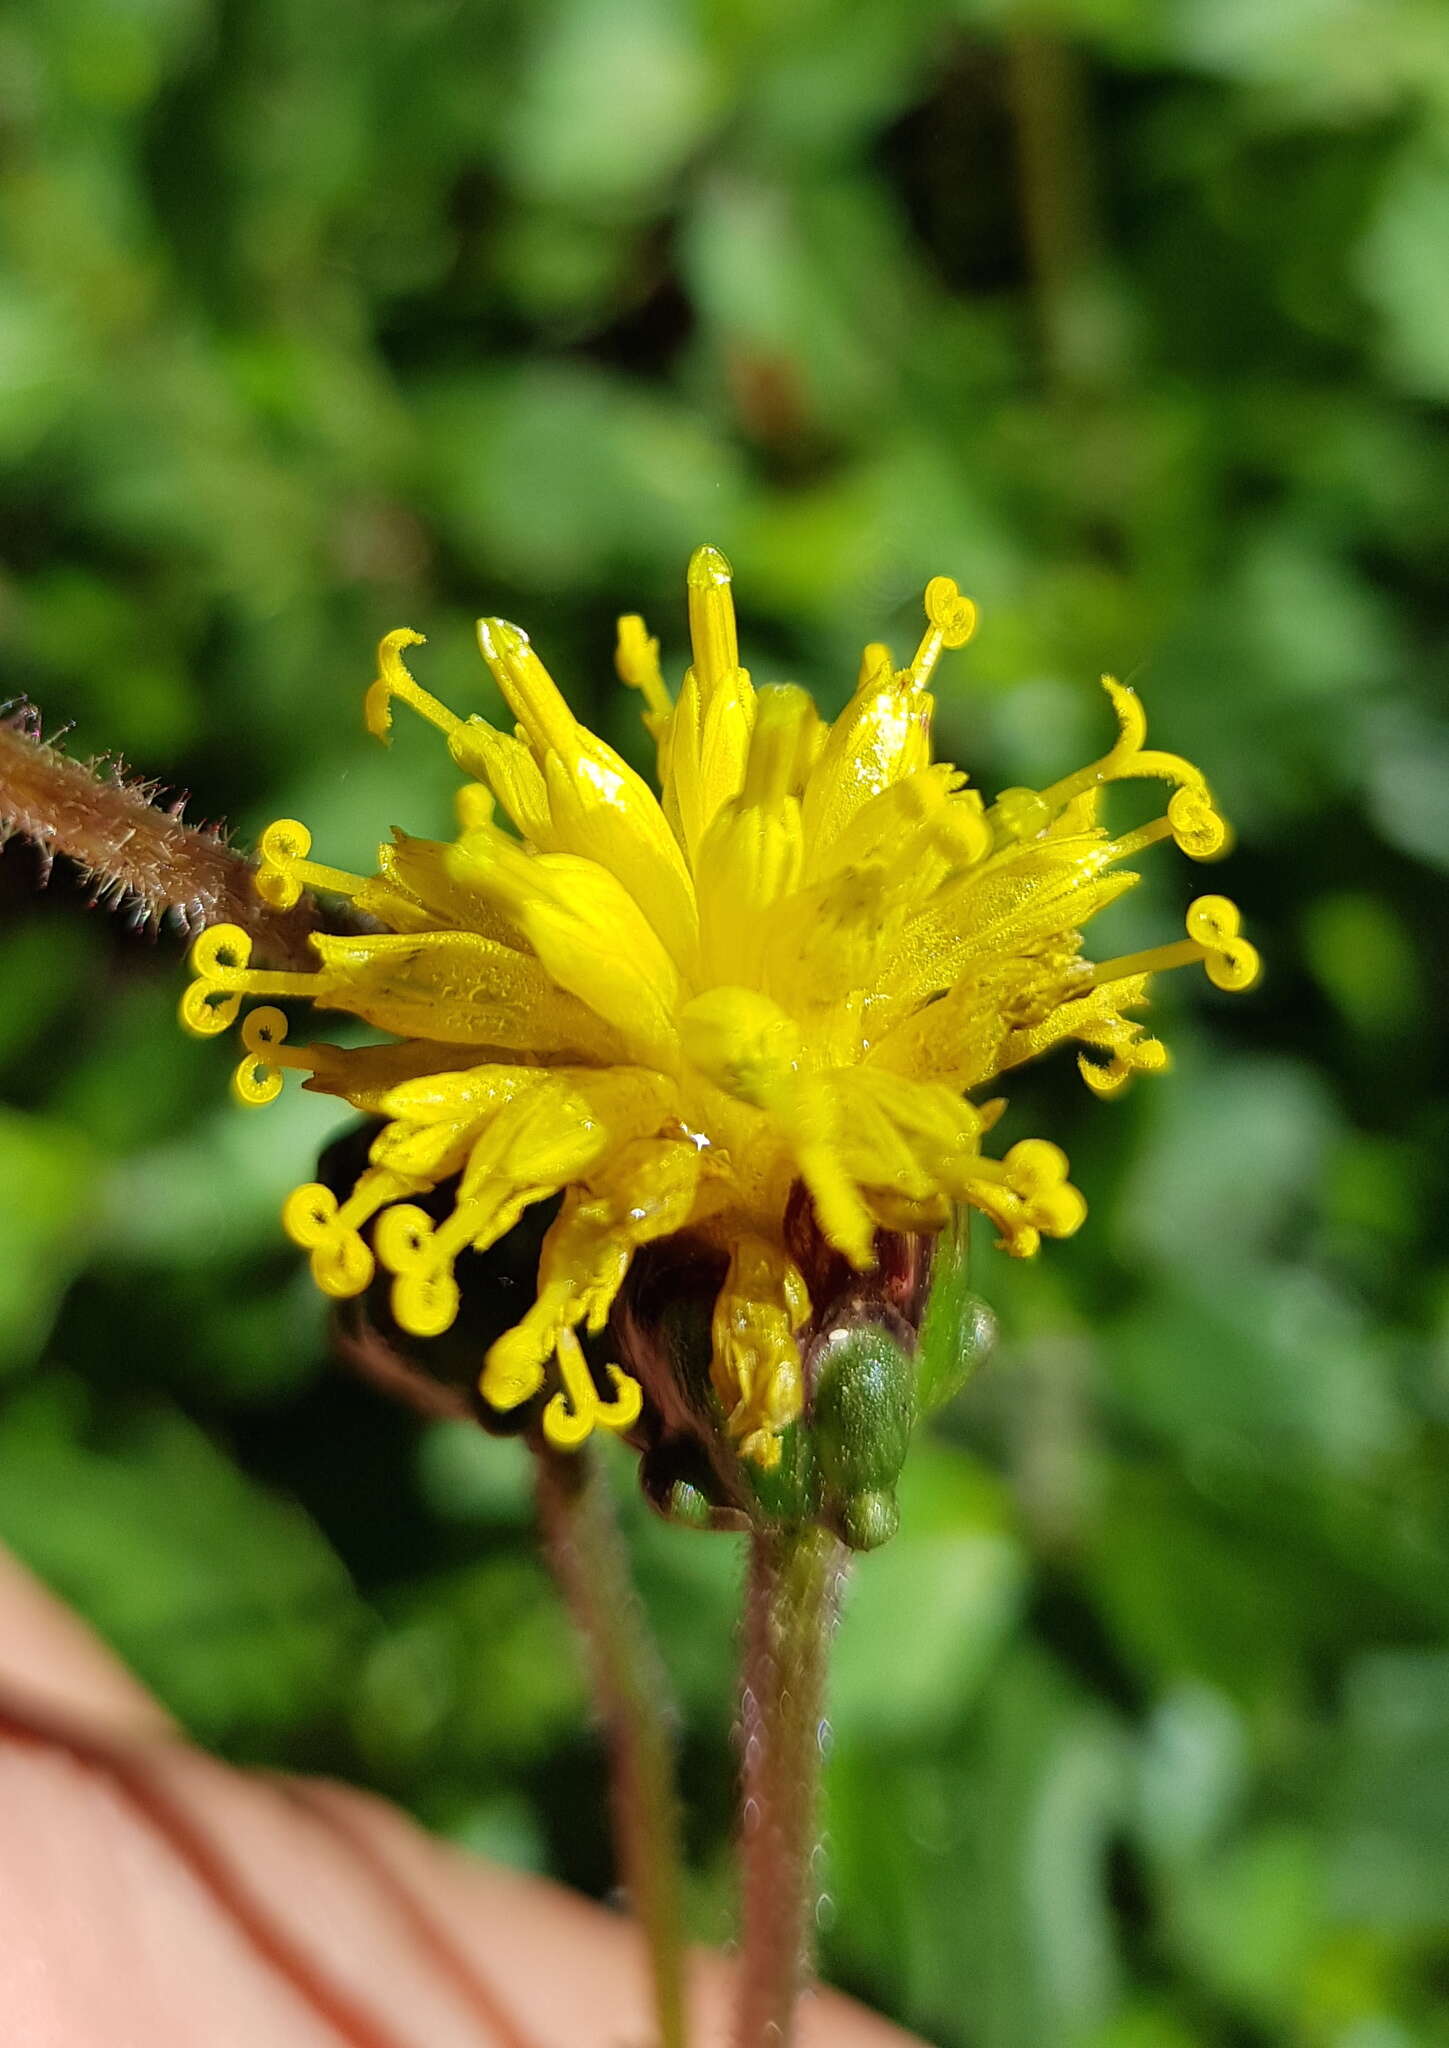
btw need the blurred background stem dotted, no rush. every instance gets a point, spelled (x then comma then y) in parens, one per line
(586, 1552)
(1055, 176)
(791, 1602)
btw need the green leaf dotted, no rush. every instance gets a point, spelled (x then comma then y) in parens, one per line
(222, 1596)
(933, 1608)
(1252, 1921)
(1389, 1796)
(48, 1177)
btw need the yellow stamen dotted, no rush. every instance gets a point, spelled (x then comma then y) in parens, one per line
(1128, 844)
(1152, 960)
(1125, 749)
(395, 680)
(951, 620)
(1110, 1077)
(647, 1191)
(636, 660)
(312, 1217)
(258, 1079)
(425, 1295)
(576, 1411)
(1213, 925)
(1027, 1194)
(284, 870)
(1192, 820)
(1199, 830)
(219, 961)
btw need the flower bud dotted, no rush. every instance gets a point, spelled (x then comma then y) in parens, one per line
(862, 1413)
(860, 1366)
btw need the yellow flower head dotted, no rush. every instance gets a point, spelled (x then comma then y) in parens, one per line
(750, 1014)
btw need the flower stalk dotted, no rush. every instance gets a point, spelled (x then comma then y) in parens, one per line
(587, 1555)
(791, 1605)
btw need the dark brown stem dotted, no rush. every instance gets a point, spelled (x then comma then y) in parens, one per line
(133, 854)
(791, 1605)
(586, 1551)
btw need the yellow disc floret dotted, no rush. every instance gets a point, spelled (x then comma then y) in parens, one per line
(792, 970)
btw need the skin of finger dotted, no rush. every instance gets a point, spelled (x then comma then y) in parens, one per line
(383, 1923)
(576, 1969)
(408, 1942)
(282, 1901)
(105, 1941)
(55, 1658)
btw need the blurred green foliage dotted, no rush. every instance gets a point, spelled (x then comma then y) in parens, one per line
(1134, 314)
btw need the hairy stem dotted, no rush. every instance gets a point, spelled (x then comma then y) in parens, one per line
(132, 853)
(791, 1603)
(587, 1554)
